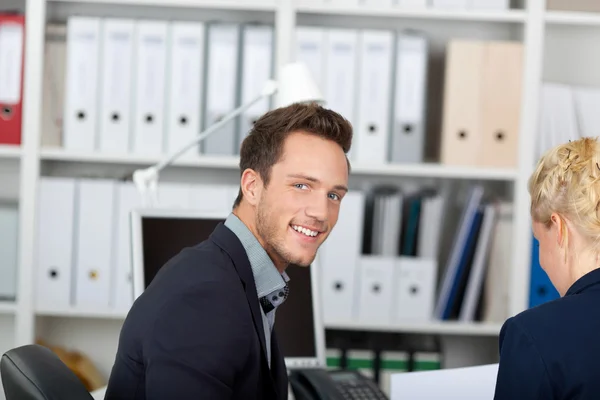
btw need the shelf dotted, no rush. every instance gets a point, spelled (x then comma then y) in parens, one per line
(8, 307)
(573, 18)
(247, 5)
(511, 16)
(434, 327)
(82, 313)
(57, 154)
(10, 151)
(430, 170)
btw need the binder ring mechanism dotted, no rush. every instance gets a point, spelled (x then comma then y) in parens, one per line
(295, 85)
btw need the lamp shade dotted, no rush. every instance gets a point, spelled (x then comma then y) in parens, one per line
(296, 85)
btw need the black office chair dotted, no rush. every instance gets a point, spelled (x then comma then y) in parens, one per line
(34, 372)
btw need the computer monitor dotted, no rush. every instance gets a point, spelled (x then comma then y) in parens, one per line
(159, 234)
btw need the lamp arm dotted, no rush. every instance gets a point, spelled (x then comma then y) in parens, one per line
(215, 127)
(146, 179)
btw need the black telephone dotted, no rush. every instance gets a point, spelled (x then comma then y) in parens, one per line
(319, 384)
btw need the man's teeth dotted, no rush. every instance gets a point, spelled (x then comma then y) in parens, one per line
(305, 231)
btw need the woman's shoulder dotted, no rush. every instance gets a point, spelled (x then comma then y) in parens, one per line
(554, 320)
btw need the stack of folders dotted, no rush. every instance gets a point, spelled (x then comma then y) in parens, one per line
(379, 264)
(482, 103)
(148, 87)
(566, 113)
(411, 4)
(9, 232)
(83, 238)
(377, 79)
(475, 282)
(380, 365)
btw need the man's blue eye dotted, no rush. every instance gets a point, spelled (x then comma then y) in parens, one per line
(334, 196)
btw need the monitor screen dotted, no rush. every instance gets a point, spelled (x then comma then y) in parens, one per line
(297, 320)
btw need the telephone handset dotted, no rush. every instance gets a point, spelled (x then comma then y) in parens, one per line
(319, 384)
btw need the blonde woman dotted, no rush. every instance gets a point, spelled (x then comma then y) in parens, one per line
(553, 351)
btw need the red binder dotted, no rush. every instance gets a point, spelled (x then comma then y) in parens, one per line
(12, 56)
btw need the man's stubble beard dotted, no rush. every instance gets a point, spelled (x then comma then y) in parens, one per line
(267, 230)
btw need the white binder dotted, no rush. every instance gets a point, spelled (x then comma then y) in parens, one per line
(116, 75)
(414, 4)
(257, 68)
(344, 3)
(310, 50)
(408, 130)
(174, 195)
(450, 4)
(376, 289)
(341, 72)
(221, 86)
(9, 232)
(489, 4)
(54, 238)
(128, 199)
(93, 243)
(338, 260)
(185, 86)
(415, 283)
(375, 94)
(150, 58)
(81, 80)
(213, 198)
(376, 3)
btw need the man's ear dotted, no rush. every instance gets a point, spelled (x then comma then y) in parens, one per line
(251, 185)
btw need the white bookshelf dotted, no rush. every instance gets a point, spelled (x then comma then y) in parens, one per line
(252, 5)
(318, 7)
(10, 152)
(8, 307)
(452, 328)
(425, 170)
(572, 18)
(539, 31)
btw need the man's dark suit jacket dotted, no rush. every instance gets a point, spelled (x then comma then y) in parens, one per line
(197, 332)
(552, 352)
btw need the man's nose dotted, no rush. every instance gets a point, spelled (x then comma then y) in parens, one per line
(318, 207)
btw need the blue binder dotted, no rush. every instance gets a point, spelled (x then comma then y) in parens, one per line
(541, 289)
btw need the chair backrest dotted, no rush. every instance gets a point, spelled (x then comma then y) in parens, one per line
(34, 372)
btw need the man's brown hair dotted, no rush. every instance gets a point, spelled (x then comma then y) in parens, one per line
(263, 146)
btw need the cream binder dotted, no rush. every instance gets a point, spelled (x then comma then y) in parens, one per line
(461, 140)
(501, 104)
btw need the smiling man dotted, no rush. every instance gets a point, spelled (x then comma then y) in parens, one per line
(203, 329)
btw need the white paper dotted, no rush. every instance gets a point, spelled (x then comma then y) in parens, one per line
(470, 383)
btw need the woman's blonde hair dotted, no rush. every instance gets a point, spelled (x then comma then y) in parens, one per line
(566, 181)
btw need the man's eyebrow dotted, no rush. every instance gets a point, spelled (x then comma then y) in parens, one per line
(313, 179)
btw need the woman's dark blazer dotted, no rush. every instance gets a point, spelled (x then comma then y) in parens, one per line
(552, 351)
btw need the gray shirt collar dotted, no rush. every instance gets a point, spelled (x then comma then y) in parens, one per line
(266, 276)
